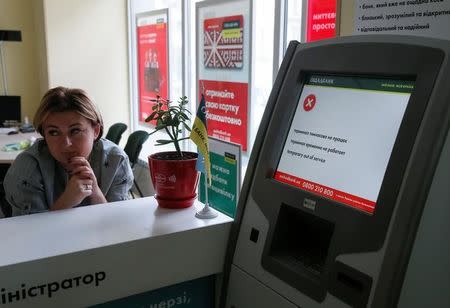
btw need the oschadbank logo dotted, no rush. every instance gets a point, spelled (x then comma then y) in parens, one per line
(309, 102)
(49, 289)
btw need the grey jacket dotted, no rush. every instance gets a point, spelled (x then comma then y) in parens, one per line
(36, 180)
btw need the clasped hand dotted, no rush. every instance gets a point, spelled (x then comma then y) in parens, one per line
(82, 181)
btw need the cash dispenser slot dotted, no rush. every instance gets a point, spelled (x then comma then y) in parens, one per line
(298, 250)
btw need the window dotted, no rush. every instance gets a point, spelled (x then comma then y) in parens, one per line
(182, 55)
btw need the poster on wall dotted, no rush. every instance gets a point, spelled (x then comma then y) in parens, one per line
(223, 42)
(153, 68)
(226, 110)
(424, 18)
(321, 21)
(223, 67)
(223, 193)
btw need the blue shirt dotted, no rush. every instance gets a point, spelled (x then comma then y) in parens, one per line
(36, 180)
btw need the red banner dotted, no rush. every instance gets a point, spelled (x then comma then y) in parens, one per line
(327, 192)
(226, 107)
(152, 66)
(321, 22)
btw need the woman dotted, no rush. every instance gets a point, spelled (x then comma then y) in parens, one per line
(71, 166)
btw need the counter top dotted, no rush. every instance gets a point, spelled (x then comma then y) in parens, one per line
(66, 231)
(134, 246)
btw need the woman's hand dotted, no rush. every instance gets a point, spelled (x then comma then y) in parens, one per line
(77, 189)
(82, 183)
(81, 169)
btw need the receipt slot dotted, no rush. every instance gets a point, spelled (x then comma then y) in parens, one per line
(346, 198)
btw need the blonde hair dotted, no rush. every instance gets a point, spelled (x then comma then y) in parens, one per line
(61, 99)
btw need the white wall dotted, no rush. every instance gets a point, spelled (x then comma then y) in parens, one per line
(346, 19)
(21, 58)
(87, 48)
(41, 48)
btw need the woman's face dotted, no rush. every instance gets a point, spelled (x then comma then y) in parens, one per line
(68, 135)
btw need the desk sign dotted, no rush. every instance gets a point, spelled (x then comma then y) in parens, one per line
(197, 293)
(223, 194)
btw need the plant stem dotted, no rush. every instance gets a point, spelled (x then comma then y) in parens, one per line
(174, 136)
(168, 132)
(177, 147)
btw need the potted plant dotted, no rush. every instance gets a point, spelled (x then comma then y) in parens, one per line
(173, 173)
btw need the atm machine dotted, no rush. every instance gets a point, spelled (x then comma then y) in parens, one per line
(346, 199)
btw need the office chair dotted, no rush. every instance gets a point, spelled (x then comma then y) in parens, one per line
(115, 132)
(5, 207)
(133, 148)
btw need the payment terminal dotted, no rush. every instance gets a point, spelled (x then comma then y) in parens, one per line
(346, 198)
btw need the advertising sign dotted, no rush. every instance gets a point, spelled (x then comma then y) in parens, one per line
(223, 194)
(423, 18)
(153, 70)
(223, 45)
(226, 110)
(321, 22)
(223, 67)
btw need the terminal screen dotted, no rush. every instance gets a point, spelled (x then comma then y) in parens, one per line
(342, 135)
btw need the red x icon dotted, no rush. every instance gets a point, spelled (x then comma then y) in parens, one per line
(309, 102)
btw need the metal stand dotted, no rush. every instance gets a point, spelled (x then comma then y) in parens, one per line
(206, 212)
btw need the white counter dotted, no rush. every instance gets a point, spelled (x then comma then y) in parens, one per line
(134, 246)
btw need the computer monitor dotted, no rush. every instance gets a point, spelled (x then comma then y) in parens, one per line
(9, 109)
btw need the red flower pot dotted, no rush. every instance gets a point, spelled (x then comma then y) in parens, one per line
(175, 180)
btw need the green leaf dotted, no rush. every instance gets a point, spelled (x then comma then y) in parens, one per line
(184, 116)
(164, 141)
(151, 117)
(171, 117)
(186, 127)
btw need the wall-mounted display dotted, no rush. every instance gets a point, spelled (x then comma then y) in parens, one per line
(153, 68)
